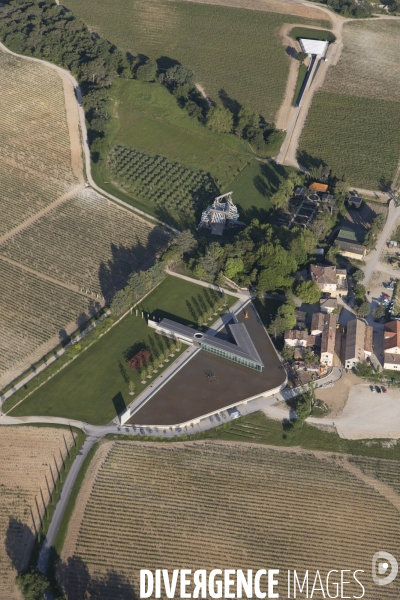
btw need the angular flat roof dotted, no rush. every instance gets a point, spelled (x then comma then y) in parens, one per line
(318, 47)
(244, 346)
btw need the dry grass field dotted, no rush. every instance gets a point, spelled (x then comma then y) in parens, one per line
(63, 248)
(27, 455)
(369, 64)
(222, 505)
(354, 121)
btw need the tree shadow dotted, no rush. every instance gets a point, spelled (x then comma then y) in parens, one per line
(114, 274)
(19, 542)
(310, 162)
(123, 371)
(78, 584)
(119, 403)
(70, 579)
(64, 337)
(166, 62)
(290, 51)
(385, 184)
(232, 105)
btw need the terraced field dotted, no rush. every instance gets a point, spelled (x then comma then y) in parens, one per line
(354, 121)
(63, 249)
(231, 49)
(169, 506)
(27, 457)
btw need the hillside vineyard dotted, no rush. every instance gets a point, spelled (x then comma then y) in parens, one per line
(64, 249)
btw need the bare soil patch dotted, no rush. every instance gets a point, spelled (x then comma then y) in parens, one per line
(335, 397)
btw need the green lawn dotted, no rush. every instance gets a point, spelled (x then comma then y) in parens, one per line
(314, 34)
(231, 49)
(253, 188)
(300, 80)
(150, 120)
(356, 137)
(94, 387)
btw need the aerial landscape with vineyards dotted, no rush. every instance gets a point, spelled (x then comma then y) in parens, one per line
(199, 281)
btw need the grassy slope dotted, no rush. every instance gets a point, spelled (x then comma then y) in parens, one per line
(93, 388)
(354, 121)
(149, 119)
(237, 50)
(259, 429)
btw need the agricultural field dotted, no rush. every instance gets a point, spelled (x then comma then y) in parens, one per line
(63, 249)
(34, 313)
(101, 375)
(231, 49)
(386, 471)
(26, 468)
(361, 95)
(360, 141)
(209, 520)
(176, 192)
(88, 243)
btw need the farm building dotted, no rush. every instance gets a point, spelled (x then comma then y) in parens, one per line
(355, 201)
(391, 345)
(330, 280)
(220, 214)
(317, 323)
(243, 351)
(328, 340)
(315, 47)
(349, 248)
(318, 187)
(358, 342)
(327, 305)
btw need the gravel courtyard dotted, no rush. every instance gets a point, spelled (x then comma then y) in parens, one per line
(370, 415)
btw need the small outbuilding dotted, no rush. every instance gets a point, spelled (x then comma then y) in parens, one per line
(318, 187)
(316, 47)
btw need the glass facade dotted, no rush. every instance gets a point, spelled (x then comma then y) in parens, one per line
(229, 356)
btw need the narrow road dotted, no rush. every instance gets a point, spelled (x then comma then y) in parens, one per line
(45, 551)
(374, 256)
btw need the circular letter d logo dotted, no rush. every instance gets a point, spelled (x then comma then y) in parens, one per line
(380, 565)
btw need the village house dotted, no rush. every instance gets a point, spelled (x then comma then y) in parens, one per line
(299, 339)
(317, 323)
(358, 342)
(391, 345)
(327, 305)
(330, 280)
(328, 339)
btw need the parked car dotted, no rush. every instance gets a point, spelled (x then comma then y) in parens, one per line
(378, 389)
(233, 413)
(371, 387)
(384, 390)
